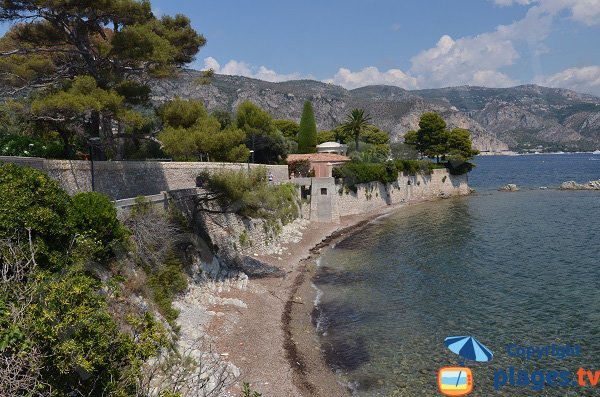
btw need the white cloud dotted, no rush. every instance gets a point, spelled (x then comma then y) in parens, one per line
(505, 3)
(241, 68)
(584, 11)
(469, 60)
(479, 60)
(580, 79)
(370, 76)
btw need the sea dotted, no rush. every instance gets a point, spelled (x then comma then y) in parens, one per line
(518, 271)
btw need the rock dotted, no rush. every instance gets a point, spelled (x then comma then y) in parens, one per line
(511, 187)
(572, 185)
(257, 269)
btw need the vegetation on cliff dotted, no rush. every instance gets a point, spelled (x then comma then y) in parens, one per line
(250, 194)
(85, 300)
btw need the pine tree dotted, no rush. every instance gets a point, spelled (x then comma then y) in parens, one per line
(307, 136)
(118, 44)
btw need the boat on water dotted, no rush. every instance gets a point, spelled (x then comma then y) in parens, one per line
(596, 152)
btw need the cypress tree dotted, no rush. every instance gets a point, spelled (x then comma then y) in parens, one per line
(307, 136)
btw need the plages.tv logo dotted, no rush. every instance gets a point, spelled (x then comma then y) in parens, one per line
(458, 381)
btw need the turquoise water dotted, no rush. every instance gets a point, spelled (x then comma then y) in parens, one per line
(520, 268)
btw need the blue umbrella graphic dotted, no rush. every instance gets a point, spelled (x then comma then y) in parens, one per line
(468, 348)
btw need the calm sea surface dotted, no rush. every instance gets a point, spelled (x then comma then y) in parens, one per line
(520, 268)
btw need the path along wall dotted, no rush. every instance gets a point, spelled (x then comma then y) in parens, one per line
(408, 188)
(126, 179)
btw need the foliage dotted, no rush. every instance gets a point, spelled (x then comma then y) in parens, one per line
(249, 194)
(71, 323)
(248, 392)
(369, 153)
(356, 123)
(268, 143)
(31, 200)
(289, 128)
(325, 136)
(460, 147)
(307, 136)
(403, 151)
(375, 136)
(434, 140)
(354, 173)
(190, 133)
(166, 282)
(181, 113)
(224, 117)
(95, 217)
(19, 145)
(414, 167)
(299, 168)
(116, 44)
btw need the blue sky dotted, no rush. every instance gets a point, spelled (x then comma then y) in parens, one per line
(411, 44)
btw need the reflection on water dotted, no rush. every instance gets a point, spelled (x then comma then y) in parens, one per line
(504, 267)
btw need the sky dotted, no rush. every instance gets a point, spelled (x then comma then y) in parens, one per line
(410, 44)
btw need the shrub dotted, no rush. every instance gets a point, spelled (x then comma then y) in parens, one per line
(31, 200)
(414, 167)
(354, 173)
(19, 145)
(460, 168)
(249, 194)
(167, 282)
(95, 216)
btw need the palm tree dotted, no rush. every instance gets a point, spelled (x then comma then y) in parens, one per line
(356, 122)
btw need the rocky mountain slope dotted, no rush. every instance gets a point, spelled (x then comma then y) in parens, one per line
(519, 118)
(528, 116)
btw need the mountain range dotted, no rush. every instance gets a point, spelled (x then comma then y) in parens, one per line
(522, 118)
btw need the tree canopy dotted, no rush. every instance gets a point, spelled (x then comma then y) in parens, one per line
(268, 143)
(433, 139)
(190, 133)
(356, 122)
(112, 47)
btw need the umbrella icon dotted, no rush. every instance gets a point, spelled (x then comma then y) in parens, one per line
(468, 348)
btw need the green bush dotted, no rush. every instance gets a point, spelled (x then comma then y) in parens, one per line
(31, 200)
(249, 194)
(414, 167)
(94, 216)
(166, 283)
(354, 173)
(25, 146)
(85, 351)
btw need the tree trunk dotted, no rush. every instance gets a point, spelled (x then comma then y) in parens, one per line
(356, 136)
(67, 148)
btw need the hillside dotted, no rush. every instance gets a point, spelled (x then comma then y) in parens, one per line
(529, 115)
(521, 118)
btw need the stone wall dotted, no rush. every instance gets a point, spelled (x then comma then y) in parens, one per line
(126, 179)
(373, 196)
(233, 240)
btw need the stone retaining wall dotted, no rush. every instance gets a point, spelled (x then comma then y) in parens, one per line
(373, 196)
(126, 179)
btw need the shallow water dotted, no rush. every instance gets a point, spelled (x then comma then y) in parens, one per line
(519, 268)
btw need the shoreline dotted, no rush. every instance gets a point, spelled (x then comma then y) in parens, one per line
(265, 329)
